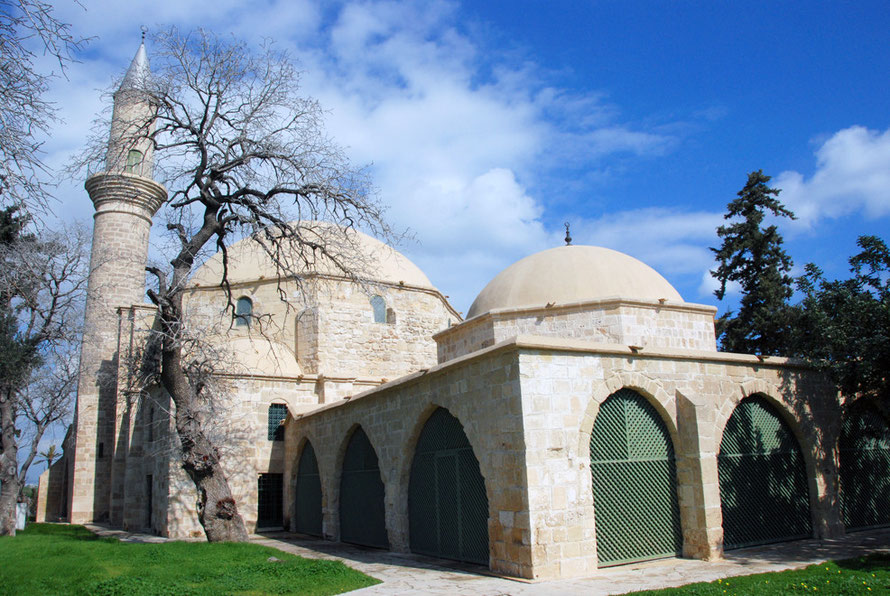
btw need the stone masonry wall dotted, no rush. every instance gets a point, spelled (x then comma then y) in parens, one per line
(483, 394)
(562, 392)
(617, 321)
(329, 327)
(124, 206)
(528, 406)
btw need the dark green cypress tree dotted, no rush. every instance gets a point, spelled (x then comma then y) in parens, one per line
(752, 256)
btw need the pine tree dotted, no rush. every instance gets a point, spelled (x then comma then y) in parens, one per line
(752, 256)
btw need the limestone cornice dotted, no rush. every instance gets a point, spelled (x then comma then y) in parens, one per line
(522, 343)
(310, 276)
(122, 192)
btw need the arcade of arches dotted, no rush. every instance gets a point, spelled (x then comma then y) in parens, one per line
(546, 459)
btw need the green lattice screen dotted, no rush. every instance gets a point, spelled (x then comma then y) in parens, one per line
(362, 513)
(865, 469)
(307, 509)
(763, 483)
(634, 482)
(447, 504)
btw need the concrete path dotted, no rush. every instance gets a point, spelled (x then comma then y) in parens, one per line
(415, 574)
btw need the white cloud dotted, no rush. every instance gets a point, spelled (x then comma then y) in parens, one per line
(852, 174)
(709, 285)
(672, 241)
(453, 132)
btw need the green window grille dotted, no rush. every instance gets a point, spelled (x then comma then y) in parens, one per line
(447, 503)
(362, 511)
(277, 414)
(307, 509)
(864, 450)
(634, 478)
(269, 501)
(763, 482)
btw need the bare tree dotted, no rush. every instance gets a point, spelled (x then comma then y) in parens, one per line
(242, 154)
(42, 286)
(27, 28)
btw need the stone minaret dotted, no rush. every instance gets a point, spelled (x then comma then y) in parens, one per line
(125, 198)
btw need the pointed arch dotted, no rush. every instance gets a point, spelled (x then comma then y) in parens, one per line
(864, 453)
(634, 481)
(362, 494)
(447, 500)
(764, 494)
(307, 497)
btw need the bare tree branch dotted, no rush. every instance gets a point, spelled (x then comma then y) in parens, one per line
(243, 155)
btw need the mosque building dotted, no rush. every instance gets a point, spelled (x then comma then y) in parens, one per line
(580, 416)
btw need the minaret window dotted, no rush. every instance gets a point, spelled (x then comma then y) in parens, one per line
(378, 304)
(134, 158)
(243, 311)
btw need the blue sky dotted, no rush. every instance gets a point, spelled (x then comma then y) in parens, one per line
(489, 124)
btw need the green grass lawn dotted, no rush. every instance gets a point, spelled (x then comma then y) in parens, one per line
(57, 559)
(865, 575)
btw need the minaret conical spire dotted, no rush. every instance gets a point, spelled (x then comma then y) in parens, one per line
(137, 72)
(132, 122)
(139, 69)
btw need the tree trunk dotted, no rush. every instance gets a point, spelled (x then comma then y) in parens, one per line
(217, 510)
(9, 477)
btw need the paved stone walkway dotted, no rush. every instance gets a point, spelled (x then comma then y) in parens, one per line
(414, 574)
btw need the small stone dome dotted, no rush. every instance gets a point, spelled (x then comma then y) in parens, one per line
(572, 274)
(366, 256)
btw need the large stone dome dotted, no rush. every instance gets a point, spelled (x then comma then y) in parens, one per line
(368, 257)
(572, 274)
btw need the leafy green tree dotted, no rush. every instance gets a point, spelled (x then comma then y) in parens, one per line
(752, 256)
(843, 326)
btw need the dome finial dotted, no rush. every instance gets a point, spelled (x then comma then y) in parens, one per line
(568, 235)
(144, 30)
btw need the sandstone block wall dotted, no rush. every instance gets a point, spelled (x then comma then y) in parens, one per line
(645, 324)
(528, 406)
(482, 394)
(124, 204)
(329, 327)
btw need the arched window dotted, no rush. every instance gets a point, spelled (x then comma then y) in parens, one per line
(243, 311)
(134, 158)
(379, 306)
(277, 413)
